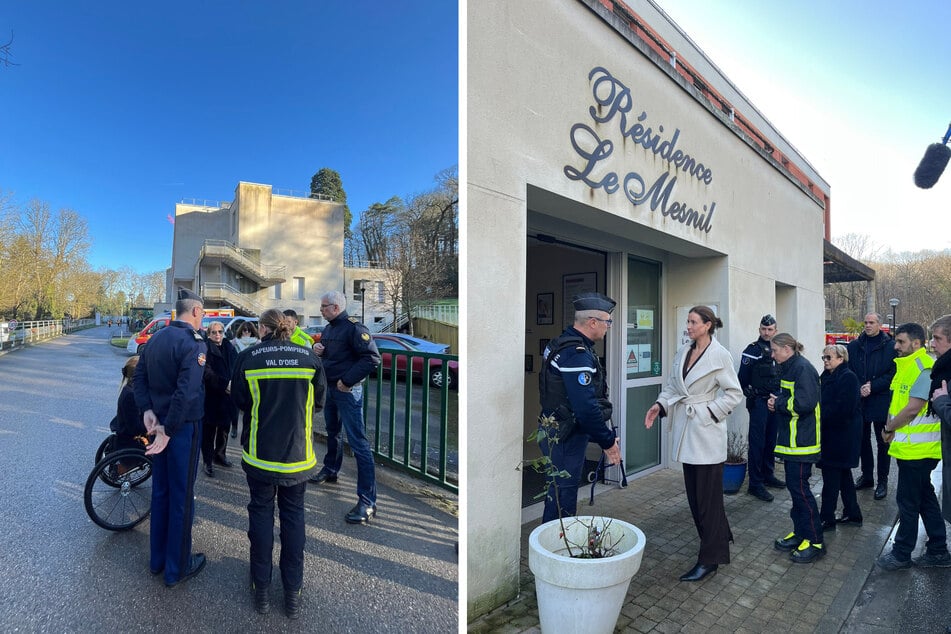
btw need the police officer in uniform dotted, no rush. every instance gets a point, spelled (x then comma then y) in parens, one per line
(170, 392)
(349, 356)
(759, 377)
(573, 393)
(278, 385)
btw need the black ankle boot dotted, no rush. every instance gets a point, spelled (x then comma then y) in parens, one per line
(292, 601)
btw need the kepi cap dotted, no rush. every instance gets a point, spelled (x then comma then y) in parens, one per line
(593, 301)
(184, 293)
(767, 320)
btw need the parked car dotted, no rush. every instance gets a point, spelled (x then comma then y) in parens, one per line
(393, 343)
(314, 332)
(424, 345)
(140, 338)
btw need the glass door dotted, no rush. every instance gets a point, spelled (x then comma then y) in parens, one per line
(642, 363)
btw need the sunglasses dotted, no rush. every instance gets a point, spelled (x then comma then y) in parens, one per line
(216, 332)
(827, 357)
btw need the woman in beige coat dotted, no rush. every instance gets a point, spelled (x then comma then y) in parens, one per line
(701, 392)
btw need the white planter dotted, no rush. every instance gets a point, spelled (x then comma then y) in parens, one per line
(582, 595)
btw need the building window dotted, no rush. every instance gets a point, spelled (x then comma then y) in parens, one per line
(357, 296)
(298, 288)
(275, 292)
(380, 295)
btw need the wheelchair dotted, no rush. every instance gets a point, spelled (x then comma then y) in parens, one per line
(118, 493)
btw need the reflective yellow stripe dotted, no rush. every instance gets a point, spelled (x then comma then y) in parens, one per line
(794, 449)
(254, 377)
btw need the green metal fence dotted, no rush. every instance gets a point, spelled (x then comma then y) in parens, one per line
(412, 424)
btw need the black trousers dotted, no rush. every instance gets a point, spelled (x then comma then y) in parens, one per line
(214, 441)
(704, 484)
(915, 496)
(836, 481)
(882, 459)
(762, 439)
(290, 504)
(804, 511)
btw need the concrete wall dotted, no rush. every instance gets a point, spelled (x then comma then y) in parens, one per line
(529, 84)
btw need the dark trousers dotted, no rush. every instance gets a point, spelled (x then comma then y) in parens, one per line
(566, 455)
(290, 504)
(344, 411)
(882, 459)
(173, 502)
(836, 481)
(214, 441)
(916, 497)
(804, 511)
(762, 439)
(704, 484)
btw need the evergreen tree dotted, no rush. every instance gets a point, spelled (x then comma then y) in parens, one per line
(327, 183)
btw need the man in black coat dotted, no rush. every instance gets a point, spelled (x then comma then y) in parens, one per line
(871, 358)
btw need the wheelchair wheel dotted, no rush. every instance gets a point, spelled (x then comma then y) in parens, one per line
(107, 445)
(118, 494)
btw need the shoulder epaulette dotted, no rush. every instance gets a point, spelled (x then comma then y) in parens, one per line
(353, 320)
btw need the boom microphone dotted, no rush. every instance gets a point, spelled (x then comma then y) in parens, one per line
(933, 163)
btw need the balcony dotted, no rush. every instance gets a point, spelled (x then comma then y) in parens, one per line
(244, 261)
(229, 295)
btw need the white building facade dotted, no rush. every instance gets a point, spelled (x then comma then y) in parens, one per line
(607, 153)
(267, 249)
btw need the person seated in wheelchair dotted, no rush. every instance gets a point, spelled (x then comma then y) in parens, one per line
(128, 425)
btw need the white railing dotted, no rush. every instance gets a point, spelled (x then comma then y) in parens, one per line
(242, 257)
(26, 332)
(231, 295)
(446, 313)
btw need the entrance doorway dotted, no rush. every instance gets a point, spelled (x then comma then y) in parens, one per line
(555, 272)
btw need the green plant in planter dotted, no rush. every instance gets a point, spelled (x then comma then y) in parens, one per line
(736, 448)
(599, 541)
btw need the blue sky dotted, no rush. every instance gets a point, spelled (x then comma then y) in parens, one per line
(859, 87)
(118, 110)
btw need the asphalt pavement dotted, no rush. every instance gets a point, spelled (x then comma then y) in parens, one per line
(59, 572)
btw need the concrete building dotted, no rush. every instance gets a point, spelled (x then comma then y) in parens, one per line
(607, 152)
(270, 249)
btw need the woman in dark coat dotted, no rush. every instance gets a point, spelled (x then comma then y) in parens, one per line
(220, 412)
(840, 412)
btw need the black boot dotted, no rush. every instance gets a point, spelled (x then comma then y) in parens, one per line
(262, 599)
(699, 572)
(292, 601)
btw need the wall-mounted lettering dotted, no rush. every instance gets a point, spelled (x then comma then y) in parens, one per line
(613, 101)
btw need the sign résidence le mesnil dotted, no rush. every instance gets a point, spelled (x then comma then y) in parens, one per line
(613, 101)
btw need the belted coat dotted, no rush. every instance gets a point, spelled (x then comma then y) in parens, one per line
(697, 405)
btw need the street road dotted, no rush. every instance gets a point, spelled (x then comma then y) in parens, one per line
(59, 572)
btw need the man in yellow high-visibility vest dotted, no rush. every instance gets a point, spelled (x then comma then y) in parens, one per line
(915, 437)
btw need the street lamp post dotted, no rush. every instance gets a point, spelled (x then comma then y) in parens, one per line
(363, 301)
(893, 302)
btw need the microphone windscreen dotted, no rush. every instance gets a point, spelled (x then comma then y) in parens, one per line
(932, 165)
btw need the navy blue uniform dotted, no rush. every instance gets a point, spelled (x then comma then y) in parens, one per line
(758, 376)
(572, 386)
(168, 381)
(350, 355)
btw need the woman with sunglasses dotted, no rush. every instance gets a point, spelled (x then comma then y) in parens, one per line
(840, 404)
(220, 412)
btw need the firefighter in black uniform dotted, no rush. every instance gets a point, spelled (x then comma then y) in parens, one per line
(574, 396)
(759, 377)
(171, 395)
(349, 355)
(278, 384)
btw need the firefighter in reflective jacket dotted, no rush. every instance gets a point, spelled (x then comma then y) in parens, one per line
(574, 401)
(915, 437)
(278, 384)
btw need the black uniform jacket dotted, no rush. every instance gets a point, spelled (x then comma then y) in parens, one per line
(278, 385)
(350, 353)
(840, 418)
(168, 378)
